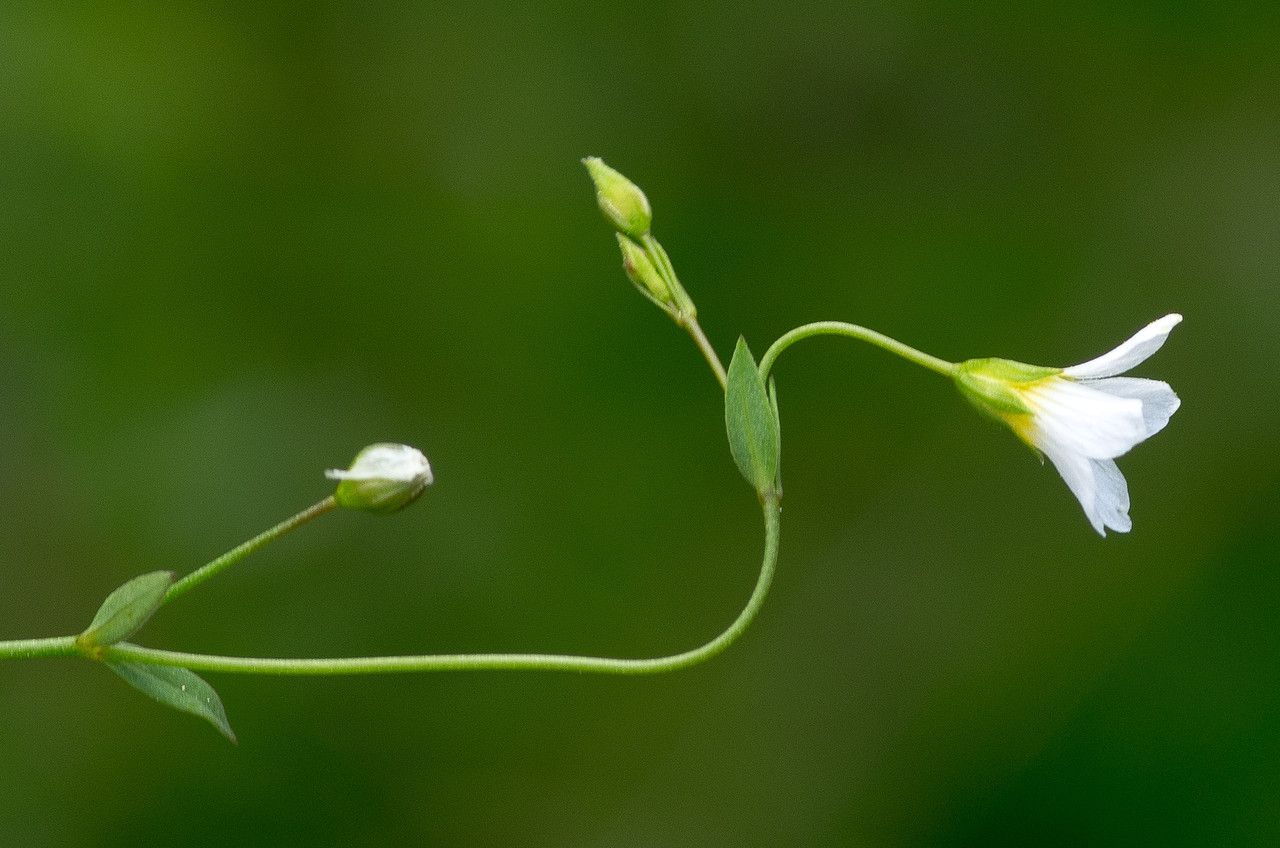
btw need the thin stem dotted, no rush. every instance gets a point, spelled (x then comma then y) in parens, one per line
(700, 339)
(125, 652)
(238, 553)
(853, 331)
(21, 649)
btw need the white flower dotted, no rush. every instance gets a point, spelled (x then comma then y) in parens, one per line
(382, 478)
(1081, 417)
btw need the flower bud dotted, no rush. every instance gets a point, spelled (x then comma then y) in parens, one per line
(621, 200)
(641, 270)
(382, 478)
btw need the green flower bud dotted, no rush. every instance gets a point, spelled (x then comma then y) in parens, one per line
(621, 200)
(382, 478)
(641, 270)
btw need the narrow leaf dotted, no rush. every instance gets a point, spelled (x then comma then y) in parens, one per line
(179, 688)
(126, 609)
(751, 422)
(777, 418)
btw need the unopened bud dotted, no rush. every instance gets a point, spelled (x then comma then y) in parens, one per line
(382, 478)
(641, 270)
(621, 200)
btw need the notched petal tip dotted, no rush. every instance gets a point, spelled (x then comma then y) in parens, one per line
(1112, 498)
(1099, 486)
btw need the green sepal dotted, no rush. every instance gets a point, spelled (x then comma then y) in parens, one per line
(752, 422)
(179, 688)
(126, 609)
(994, 385)
(642, 273)
(1009, 370)
(683, 304)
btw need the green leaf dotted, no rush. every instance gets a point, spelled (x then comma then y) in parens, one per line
(752, 423)
(777, 417)
(126, 609)
(179, 688)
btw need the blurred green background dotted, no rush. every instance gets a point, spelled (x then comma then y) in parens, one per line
(239, 241)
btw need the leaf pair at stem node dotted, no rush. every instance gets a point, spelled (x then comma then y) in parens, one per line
(122, 614)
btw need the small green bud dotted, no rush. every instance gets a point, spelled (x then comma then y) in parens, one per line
(382, 478)
(621, 200)
(641, 270)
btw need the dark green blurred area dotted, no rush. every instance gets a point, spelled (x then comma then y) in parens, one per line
(241, 241)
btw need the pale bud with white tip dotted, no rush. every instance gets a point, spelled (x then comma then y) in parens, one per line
(383, 478)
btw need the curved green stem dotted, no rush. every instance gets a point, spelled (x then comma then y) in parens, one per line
(239, 552)
(126, 652)
(853, 331)
(23, 649)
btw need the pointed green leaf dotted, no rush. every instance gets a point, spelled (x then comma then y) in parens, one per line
(777, 417)
(126, 609)
(752, 424)
(179, 688)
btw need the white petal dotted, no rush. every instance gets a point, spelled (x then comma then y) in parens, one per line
(1099, 487)
(1158, 400)
(1083, 420)
(1112, 499)
(1143, 344)
(343, 474)
(1077, 473)
(399, 463)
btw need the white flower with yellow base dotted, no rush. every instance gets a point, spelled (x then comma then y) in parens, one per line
(1081, 417)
